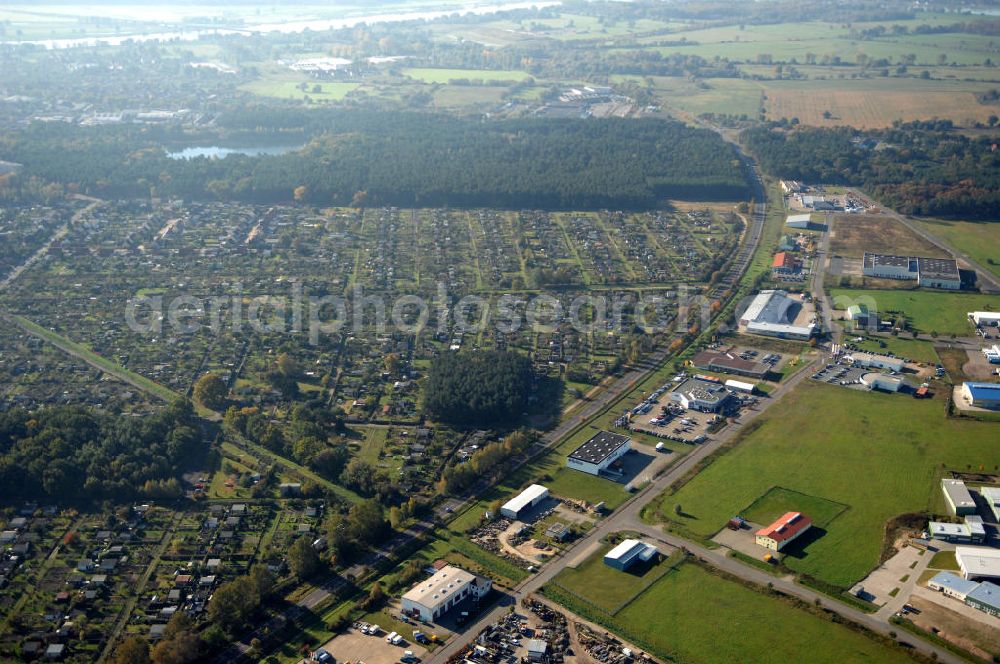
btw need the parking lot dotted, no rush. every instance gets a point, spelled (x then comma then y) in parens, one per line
(353, 646)
(838, 374)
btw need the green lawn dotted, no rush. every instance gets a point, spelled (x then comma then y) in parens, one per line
(435, 75)
(289, 89)
(692, 615)
(604, 586)
(928, 311)
(778, 501)
(979, 240)
(944, 560)
(911, 349)
(880, 454)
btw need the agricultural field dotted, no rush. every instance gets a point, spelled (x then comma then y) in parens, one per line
(878, 102)
(980, 241)
(434, 75)
(879, 454)
(692, 614)
(927, 312)
(854, 234)
(827, 43)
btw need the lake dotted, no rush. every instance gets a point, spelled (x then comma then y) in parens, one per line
(217, 152)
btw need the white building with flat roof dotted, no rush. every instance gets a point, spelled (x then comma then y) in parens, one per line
(991, 495)
(772, 313)
(450, 585)
(871, 360)
(957, 496)
(528, 498)
(978, 562)
(985, 317)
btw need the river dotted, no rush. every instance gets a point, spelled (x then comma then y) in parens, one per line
(290, 26)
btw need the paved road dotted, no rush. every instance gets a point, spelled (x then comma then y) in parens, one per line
(628, 517)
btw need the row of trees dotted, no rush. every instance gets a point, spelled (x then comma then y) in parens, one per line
(73, 453)
(919, 168)
(404, 159)
(485, 463)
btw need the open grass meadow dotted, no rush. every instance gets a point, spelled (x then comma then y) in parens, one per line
(880, 454)
(911, 349)
(285, 88)
(928, 311)
(605, 587)
(694, 615)
(779, 500)
(980, 241)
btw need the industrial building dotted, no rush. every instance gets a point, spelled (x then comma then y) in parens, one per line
(525, 500)
(985, 317)
(982, 395)
(597, 454)
(872, 361)
(991, 495)
(785, 264)
(772, 313)
(786, 529)
(731, 364)
(929, 272)
(978, 562)
(861, 316)
(970, 531)
(798, 220)
(701, 395)
(983, 596)
(957, 496)
(952, 585)
(741, 386)
(450, 585)
(628, 553)
(883, 382)
(986, 598)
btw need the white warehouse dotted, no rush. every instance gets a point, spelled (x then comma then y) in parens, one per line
(597, 454)
(528, 498)
(433, 597)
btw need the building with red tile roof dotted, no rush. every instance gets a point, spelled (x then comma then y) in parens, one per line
(783, 531)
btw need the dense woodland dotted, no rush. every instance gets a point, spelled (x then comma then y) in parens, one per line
(922, 169)
(485, 388)
(76, 454)
(404, 159)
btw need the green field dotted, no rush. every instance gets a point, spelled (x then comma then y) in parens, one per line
(289, 89)
(778, 501)
(979, 240)
(880, 454)
(928, 311)
(692, 615)
(434, 75)
(911, 349)
(605, 587)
